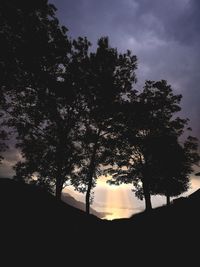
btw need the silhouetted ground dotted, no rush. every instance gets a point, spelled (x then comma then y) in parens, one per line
(39, 230)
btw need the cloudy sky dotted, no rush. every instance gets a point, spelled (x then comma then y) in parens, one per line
(165, 36)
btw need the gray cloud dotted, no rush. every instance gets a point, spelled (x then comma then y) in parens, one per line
(165, 36)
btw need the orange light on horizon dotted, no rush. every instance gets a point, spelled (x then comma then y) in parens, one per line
(118, 202)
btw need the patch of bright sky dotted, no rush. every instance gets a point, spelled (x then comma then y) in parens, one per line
(120, 201)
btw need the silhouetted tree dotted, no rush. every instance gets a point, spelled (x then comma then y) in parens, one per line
(33, 45)
(111, 77)
(172, 164)
(153, 117)
(34, 68)
(48, 130)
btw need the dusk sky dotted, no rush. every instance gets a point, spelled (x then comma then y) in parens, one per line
(165, 37)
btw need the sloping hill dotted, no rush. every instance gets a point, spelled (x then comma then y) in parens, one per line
(32, 218)
(67, 198)
(35, 224)
(33, 203)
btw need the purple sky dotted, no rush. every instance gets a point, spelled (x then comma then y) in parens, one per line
(165, 36)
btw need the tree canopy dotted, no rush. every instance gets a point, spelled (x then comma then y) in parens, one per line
(111, 77)
(151, 157)
(77, 115)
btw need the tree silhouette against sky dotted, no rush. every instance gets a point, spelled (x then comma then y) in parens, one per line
(111, 77)
(76, 114)
(144, 158)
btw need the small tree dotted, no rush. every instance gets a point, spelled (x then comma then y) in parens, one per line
(172, 164)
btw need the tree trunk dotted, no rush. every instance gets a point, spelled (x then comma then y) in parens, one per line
(90, 180)
(147, 196)
(59, 186)
(168, 199)
(87, 198)
(91, 174)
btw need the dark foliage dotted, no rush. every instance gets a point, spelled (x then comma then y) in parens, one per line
(151, 156)
(111, 78)
(76, 113)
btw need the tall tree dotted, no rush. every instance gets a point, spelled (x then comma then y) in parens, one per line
(48, 129)
(37, 71)
(32, 46)
(153, 117)
(111, 78)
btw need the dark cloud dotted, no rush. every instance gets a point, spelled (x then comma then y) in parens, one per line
(165, 35)
(168, 20)
(172, 20)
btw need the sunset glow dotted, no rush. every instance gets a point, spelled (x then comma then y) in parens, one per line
(119, 201)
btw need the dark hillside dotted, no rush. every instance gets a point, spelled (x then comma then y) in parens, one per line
(35, 224)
